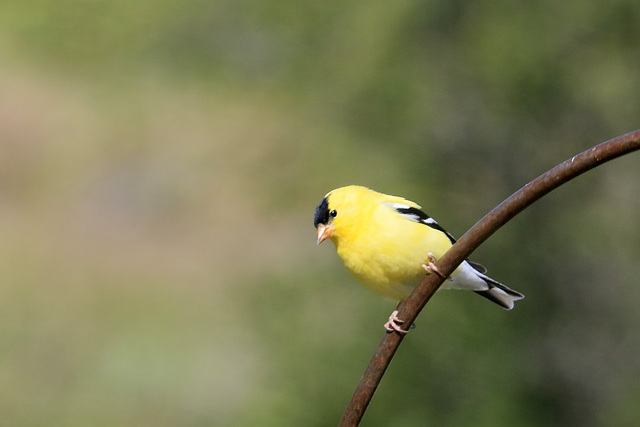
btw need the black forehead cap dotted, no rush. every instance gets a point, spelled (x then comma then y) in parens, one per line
(322, 213)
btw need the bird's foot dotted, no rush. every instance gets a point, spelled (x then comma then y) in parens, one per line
(431, 266)
(394, 324)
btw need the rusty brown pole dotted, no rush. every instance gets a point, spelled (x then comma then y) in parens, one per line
(516, 203)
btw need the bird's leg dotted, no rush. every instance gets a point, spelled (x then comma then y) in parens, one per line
(394, 324)
(431, 266)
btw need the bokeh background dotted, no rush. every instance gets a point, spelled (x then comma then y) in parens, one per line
(160, 162)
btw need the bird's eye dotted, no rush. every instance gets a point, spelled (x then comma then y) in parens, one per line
(333, 213)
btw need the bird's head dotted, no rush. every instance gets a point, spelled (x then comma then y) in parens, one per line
(340, 212)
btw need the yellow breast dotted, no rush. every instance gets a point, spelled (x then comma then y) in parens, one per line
(386, 251)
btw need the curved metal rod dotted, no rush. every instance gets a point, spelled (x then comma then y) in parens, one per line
(500, 215)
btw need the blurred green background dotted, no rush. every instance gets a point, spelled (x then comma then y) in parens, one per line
(160, 162)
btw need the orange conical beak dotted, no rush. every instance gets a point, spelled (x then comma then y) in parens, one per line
(324, 232)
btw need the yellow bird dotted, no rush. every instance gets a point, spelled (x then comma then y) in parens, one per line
(388, 242)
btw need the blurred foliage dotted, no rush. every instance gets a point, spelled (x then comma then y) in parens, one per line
(160, 162)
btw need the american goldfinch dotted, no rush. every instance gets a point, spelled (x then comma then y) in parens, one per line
(388, 242)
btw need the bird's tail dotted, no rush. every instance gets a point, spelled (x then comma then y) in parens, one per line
(498, 293)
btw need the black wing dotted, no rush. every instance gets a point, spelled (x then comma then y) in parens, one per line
(415, 214)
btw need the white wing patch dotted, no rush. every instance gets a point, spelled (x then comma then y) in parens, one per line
(407, 212)
(397, 206)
